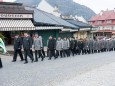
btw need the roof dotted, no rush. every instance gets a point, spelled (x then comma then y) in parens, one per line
(79, 23)
(104, 15)
(47, 18)
(10, 3)
(45, 6)
(16, 25)
(8, 7)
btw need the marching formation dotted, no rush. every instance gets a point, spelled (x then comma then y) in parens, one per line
(59, 48)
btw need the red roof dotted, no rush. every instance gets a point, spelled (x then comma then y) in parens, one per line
(104, 15)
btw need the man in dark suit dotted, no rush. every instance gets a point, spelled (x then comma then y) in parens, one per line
(17, 48)
(80, 46)
(51, 47)
(27, 45)
(72, 46)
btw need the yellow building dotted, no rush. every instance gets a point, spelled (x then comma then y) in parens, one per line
(84, 29)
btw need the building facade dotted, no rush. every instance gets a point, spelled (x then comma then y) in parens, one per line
(14, 19)
(105, 23)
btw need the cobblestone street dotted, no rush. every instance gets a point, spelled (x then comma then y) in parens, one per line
(83, 70)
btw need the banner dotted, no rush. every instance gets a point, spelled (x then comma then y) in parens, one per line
(2, 45)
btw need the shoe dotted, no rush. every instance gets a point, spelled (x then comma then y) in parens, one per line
(1, 67)
(25, 62)
(32, 61)
(55, 58)
(42, 59)
(36, 61)
(21, 60)
(49, 59)
(13, 60)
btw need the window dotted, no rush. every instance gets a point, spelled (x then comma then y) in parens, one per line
(109, 21)
(89, 22)
(99, 22)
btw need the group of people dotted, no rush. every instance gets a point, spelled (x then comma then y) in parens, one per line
(74, 46)
(59, 48)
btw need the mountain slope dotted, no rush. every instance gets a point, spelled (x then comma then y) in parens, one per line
(66, 7)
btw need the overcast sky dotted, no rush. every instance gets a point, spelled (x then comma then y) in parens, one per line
(96, 5)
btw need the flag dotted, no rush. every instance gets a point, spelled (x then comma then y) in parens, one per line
(2, 45)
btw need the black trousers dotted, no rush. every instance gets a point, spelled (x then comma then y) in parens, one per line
(66, 53)
(95, 51)
(38, 52)
(77, 51)
(28, 53)
(91, 51)
(16, 52)
(1, 63)
(31, 52)
(59, 53)
(111, 49)
(72, 51)
(43, 52)
(81, 51)
(51, 53)
(85, 51)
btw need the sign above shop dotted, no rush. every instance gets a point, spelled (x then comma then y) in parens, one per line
(15, 15)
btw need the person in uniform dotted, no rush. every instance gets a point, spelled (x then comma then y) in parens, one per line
(42, 50)
(91, 45)
(72, 46)
(99, 45)
(59, 47)
(38, 47)
(66, 46)
(111, 44)
(27, 45)
(95, 46)
(17, 48)
(86, 46)
(51, 47)
(80, 46)
(32, 44)
(77, 49)
(107, 46)
(114, 44)
(75, 44)
(102, 45)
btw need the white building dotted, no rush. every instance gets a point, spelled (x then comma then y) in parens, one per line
(81, 18)
(45, 6)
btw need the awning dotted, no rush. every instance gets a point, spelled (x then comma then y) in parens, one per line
(16, 25)
(48, 28)
(68, 30)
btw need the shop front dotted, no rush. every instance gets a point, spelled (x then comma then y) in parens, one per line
(14, 19)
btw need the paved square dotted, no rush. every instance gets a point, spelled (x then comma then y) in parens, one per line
(53, 72)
